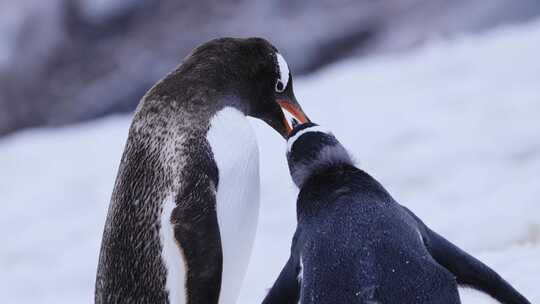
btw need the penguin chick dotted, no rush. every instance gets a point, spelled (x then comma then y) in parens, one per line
(355, 244)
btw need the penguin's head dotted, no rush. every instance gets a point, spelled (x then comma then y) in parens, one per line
(310, 149)
(257, 75)
(273, 99)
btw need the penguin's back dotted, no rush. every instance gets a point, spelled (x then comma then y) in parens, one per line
(164, 213)
(360, 246)
(130, 268)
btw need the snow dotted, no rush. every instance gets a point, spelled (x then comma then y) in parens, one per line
(451, 130)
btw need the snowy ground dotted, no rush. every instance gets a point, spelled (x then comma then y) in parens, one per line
(452, 130)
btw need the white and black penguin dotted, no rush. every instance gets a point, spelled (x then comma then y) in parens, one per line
(184, 208)
(355, 244)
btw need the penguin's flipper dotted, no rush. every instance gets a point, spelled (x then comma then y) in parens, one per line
(468, 270)
(286, 289)
(197, 232)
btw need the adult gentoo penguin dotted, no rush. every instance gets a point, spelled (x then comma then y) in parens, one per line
(184, 208)
(355, 244)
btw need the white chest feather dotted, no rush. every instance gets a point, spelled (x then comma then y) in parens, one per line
(236, 154)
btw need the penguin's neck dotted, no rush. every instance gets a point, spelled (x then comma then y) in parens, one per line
(232, 139)
(313, 150)
(214, 91)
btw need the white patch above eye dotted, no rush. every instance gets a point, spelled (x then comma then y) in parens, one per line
(283, 71)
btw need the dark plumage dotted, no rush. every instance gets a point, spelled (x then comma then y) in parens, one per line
(167, 154)
(355, 244)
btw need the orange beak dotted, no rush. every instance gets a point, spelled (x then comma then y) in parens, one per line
(293, 115)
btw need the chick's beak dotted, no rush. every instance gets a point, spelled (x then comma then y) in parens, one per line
(292, 114)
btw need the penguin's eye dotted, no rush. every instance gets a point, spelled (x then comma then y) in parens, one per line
(280, 87)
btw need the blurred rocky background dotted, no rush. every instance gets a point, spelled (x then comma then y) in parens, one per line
(63, 61)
